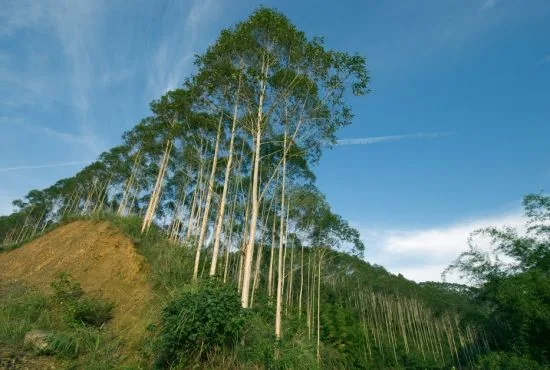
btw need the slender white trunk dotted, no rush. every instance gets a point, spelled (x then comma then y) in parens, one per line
(155, 196)
(197, 197)
(271, 258)
(129, 184)
(221, 211)
(280, 275)
(301, 282)
(249, 250)
(319, 310)
(209, 192)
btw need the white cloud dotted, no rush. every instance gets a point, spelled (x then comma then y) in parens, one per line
(546, 59)
(173, 58)
(73, 26)
(422, 254)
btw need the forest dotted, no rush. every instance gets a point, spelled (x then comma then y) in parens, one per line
(217, 186)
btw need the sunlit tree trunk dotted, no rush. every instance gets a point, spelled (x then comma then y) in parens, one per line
(320, 261)
(249, 250)
(209, 192)
(271, 258)
(129, 185)
(220, 219)
(155, 196)
(280, 274)
(301, 282)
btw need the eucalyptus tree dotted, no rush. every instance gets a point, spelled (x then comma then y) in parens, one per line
(285, 69)
(221, 75)
(208, 97)
(172, 117)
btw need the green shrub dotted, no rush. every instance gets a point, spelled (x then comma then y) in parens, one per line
(506, 361)
(197, 322)
(92, 312)
(65, 288)
(78, 308)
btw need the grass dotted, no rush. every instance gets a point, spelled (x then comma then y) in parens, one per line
(170, 273)
(73, 345)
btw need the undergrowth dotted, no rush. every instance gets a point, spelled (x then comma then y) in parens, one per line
(73, 322)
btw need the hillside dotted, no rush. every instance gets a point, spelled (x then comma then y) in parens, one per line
(95, 254)
(202, 240)
(102, 258)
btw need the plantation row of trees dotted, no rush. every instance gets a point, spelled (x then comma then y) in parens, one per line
(222, 168)
(223, 163)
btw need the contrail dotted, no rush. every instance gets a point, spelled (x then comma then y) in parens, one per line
(357, 141)
(6, 169)
(387, 139)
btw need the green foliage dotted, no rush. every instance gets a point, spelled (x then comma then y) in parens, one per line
(506, 361)
(23, 309)
(65, 288)
(514, 282)
(170, 267)
(78, 308)
(199, 320)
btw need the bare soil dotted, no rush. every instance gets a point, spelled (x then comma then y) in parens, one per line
(100, 258)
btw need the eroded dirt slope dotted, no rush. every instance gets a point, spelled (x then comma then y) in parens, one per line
(95, 254)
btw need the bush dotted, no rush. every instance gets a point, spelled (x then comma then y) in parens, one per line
(92, 312)
(506, 361)
(78, 308)
(198, 321)
(65, 288)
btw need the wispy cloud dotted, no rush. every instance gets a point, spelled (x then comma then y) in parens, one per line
(77, 140)
(17, 14)
(423, 254)
(49, 165)
(173, 58)
(545, 60)
(8, 120)
(115, 77)
(489, 4)
(392, 138)
(72, 25)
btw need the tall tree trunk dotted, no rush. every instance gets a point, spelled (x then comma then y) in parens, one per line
(291, 276)
(319, 310)
(248, 210)
(249, 250)
(270, 273)
(301, 282)
(219, 222)
(155, 196)
(129, 184)
(209, 192)
(197, 197)
(229, 237)
(309, 302)
(256, 280)
(280, 275)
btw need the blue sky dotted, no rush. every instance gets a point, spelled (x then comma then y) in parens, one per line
(473, 75)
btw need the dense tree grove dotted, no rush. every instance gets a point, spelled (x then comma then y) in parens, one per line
(513, 280)
(222, 168)
(223, 163)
